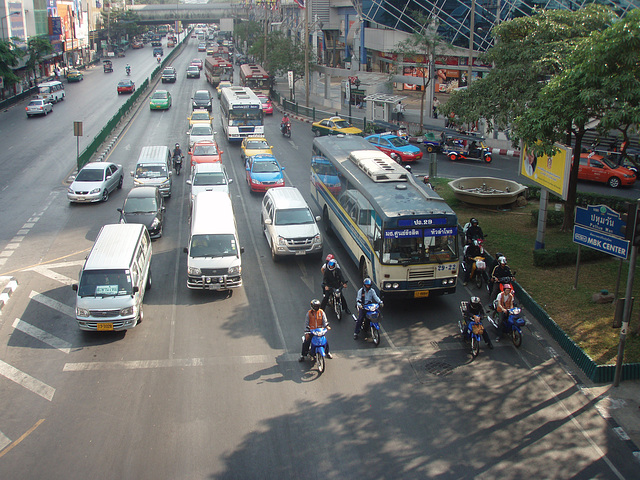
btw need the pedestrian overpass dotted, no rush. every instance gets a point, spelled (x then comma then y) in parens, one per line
(187, 13)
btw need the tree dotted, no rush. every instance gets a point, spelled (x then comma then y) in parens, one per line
(37, 48)
(531, 86)
(284, 55)
(248, 31)
(9, 57)
(420, 48)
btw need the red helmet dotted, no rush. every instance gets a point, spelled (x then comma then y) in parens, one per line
(329, 257)
(507, 285)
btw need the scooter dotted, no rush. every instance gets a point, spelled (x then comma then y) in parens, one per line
(512, 325)
(317, 349)
(128, 70)
(177, 163)
(286, 129)
(335, 300)
(371, 324)
(479, 273)
(471, 331)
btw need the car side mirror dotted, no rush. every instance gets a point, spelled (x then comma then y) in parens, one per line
(318, 218)
(230, 180)
(185, 250)
(188, 182)
(163, 208)
(282, 168)
(247, 169)
(119, 209)
(74, 287)
(267, 221)
(241, 250)
(221, 152)
(136, 289)
(131, 173)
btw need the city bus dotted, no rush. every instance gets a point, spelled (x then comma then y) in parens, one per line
(216, 69)
(240, 113)
(255, 77)
(399, 232)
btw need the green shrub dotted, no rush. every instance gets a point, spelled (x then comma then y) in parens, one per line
(555, 257)
(554, 218)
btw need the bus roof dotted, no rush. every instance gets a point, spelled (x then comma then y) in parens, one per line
(390, 198)
(253, 70)
(239, 96)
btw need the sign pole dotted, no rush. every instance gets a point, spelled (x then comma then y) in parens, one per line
(542, 218)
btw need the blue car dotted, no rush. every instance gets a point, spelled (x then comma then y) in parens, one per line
(264, 172)
(396, 147)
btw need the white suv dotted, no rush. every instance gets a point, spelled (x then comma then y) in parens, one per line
(289, 225)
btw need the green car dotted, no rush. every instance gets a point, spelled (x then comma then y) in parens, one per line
(160, 100)
(74, 75)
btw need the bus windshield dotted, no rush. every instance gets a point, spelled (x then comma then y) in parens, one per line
(417, 246)
(246, 117)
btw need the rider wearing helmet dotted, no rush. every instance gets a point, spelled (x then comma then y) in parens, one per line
(365, 296)
(471, 251)
(504, 302)
(285, 121)
(326, 260)
(501, 270)
(472, 231)
(177, 154)
(332, 278)
(474, 308)
(315, 318)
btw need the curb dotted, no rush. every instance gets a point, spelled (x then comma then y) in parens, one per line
(504, 151)
(12, 284)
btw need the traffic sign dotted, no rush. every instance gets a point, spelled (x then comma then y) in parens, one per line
(602, 242)
(601, 219)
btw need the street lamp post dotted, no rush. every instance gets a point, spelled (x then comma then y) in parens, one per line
(306, 51)
(2, 22)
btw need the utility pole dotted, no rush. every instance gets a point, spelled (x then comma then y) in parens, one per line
(307, 5)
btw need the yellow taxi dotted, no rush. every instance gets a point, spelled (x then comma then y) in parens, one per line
(254, 145)
(199, 116)
(222, 85)
(334, 126)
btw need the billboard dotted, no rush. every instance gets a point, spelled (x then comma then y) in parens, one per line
(550, 172)
(226, 25)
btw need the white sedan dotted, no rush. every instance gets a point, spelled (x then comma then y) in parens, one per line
(95, 182)
(200, 132)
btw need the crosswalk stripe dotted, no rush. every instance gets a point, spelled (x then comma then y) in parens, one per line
(27, 381)
(50, 302)
(4, 440)
(45, 337)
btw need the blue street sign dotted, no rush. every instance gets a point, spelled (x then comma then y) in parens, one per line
(600, 218)
(602, 242)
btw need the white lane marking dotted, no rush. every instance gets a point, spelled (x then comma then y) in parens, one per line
(47, 272)
(51, 303)
(4, 440)
(6, 253)
(27, 381)
(12, 246)
(45, 337)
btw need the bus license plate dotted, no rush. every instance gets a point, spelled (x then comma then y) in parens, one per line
(104, 327)
(421, 294)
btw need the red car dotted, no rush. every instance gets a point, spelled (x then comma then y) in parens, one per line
(197, 62)
(596, 168)
(205, 151)
(126, 86)
(267, 106)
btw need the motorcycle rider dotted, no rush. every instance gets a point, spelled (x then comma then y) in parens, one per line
(128, 69)
(471, 251)
(472, 231)
(503, 303)
(316, 318)
(327, 260)
(501, 270)
(365, 296)
(177, 155)
(285, 122)
(332, 278)
(474, 308)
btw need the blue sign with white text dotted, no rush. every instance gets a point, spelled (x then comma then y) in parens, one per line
(600, 218)
(602, 242)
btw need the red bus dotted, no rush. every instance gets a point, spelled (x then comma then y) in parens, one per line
(216, 69)
(255, 77)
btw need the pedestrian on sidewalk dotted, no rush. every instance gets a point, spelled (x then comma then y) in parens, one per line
(436, 104)
(399, 110)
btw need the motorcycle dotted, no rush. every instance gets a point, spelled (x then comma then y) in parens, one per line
(286, 129)
(128, 71)
(512, 326)
(335, 301)
(471, 331)
(317, 349)
(177, 163)
(371, 324)
(478, 272)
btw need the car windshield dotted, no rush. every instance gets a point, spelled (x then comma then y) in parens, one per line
(268, 166)
(140, 205)
(168, 71)
(264, 100)
(223, 245)
(293, 216)
(201, 130)
(125, 83)
(104, 283)
(192, 68)
(341, 124)
(200, 150)
(151, 171)
(257, 145)
(398, 141)
(609, 163)
(160, 95)
(201, 96)
(90, 175)
(200, 116)
(209, 178)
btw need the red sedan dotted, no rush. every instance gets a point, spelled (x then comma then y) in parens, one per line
(205, 151)
(126, 86)
(197, 62)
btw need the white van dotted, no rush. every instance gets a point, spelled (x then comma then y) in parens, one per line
(288, 224)
(114, 278)
(154, 169)
(213, 261)
(52, 91)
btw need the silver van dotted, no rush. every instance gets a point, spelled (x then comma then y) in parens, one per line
(154, 169)
(213, 254)
(114, 278)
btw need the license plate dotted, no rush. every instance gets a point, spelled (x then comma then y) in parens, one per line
(104, 327)
(300, 252)
(421, 294)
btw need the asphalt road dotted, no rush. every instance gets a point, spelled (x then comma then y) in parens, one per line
(209, 386)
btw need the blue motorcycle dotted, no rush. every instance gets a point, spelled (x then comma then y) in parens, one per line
(512, 326)
(317, 349)
(372, 322)
(471, 330)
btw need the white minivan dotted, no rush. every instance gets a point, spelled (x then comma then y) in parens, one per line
(51, 91)
(289, 225)
(114, 278)
(213, 254)
(153, 169)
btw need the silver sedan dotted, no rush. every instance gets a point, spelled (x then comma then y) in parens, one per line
(95, 182)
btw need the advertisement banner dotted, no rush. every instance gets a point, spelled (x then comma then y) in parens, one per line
(550, 172)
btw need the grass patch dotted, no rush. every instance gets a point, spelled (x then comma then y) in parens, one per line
(589, 324)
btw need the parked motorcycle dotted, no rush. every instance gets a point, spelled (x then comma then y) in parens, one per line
(177, 163)
(317, 349)
(471, 331)
(512, 326)
(286, 129)
(371, 324)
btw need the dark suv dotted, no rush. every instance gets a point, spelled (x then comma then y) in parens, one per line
(201, 99)
(169, 75)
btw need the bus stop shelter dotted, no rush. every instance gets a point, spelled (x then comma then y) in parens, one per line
(380, 106)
